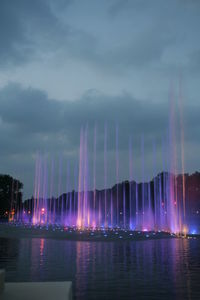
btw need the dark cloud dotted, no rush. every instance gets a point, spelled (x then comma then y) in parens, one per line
(119, 7)
(143, 50)
(32, 122)
(29, 29)
(30, 111)
(130, 43)
(193, 62)
(25, 26)
(32, 30)
(15, 45)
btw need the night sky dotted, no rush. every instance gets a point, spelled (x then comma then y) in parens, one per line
(67, 64)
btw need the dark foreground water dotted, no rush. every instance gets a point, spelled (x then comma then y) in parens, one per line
(155, 269)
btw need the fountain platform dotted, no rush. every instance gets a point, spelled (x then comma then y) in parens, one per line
(87, 234)
(34, 290)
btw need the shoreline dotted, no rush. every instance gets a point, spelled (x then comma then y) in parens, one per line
(72, 234)
(19, 231)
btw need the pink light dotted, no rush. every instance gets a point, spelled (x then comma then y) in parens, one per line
(93, 225)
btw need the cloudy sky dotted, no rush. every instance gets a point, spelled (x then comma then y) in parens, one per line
(114, 63)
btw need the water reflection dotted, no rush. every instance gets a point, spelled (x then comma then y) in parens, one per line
(154, 269)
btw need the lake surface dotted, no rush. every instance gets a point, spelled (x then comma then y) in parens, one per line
(154, 269)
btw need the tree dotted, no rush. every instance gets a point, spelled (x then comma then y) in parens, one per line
(10, 195)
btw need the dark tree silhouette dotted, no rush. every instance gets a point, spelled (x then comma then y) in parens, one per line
(10, 195)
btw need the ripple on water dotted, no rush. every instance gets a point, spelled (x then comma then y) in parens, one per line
(153, 269)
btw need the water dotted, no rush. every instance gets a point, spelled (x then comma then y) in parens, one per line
(154, 204)
(154, 269)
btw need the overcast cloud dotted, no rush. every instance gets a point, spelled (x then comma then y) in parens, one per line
(67, 64)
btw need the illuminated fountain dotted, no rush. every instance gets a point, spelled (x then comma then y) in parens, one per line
(146, 206)
(156, 205)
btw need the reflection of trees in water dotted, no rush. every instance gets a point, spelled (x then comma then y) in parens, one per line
(9, 253)
(9, 248)
(161, 269)
(157, 269)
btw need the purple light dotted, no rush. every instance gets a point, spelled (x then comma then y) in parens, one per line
(156, 205)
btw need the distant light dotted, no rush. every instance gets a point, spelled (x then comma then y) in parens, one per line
(193, 231)
(185, 230)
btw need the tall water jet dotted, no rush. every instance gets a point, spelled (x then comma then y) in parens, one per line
(155, 186)
(180, 103)
(117, 174)
(80, 184)
(51, 194)
(105, 174)
(172, 166)
(142, 166)
(94, 176)
(130, 182)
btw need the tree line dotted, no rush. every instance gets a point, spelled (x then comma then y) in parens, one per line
(10, 195)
